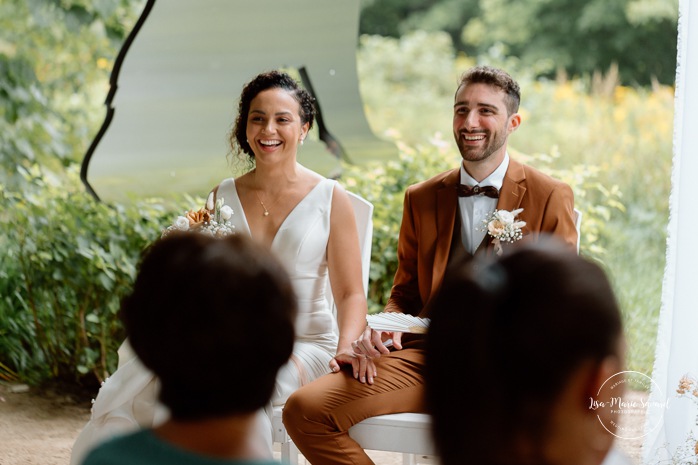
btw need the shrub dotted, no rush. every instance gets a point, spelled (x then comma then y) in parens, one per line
(67, 260)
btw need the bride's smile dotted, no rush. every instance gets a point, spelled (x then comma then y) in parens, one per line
(274, 124)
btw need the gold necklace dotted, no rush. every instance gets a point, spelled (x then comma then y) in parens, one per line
(266, 210)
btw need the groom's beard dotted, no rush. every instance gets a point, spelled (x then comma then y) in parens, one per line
(483, 152)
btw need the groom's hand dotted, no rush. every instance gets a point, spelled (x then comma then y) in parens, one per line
(372, 343)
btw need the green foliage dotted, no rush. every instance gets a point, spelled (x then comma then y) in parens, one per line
(598, 203)
(626, 134)
(54, 63)
(395, 18)
(409, 83)
(579, 38)
(29, 130)
(552, 31)
(66, 262)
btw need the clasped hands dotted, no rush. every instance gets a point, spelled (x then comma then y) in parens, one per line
(367, 349)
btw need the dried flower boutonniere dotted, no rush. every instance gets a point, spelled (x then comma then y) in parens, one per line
(503, 227)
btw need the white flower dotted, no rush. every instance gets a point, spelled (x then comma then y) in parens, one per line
(226, 212)
(506, 216)
(181, 223)
(204, 221)
(209, 202)
(503, 227)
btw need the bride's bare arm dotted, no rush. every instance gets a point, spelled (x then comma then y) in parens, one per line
(344, 262)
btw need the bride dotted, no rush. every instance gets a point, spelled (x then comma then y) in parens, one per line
(308, 223)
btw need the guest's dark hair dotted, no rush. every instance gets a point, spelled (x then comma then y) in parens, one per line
(516, 328)
(214, 320)
(262, 82)
(494, 77)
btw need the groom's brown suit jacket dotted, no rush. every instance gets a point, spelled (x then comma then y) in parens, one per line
(429, 222)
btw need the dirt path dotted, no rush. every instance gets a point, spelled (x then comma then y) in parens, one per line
(39, 428)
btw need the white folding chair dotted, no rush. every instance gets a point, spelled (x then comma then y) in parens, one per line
(578, 225)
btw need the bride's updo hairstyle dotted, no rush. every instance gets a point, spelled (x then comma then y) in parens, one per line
(516, 346)
(198, 309)
(262, 82)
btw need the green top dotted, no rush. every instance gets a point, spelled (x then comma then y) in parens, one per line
(145, 448)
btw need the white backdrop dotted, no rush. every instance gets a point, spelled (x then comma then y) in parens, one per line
(175, 91)
(672, 420)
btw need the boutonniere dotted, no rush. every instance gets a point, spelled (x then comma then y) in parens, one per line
(212, 220)
(503, 227)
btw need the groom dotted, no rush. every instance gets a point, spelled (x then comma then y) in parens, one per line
(443, 218)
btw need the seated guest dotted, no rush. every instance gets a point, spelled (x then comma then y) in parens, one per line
(539, 338)
(214, 320)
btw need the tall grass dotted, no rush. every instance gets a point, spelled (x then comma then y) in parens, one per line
(627, 133)
(624, 133)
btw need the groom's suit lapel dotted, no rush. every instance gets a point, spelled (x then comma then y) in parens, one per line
(512, 192)
(446, 210)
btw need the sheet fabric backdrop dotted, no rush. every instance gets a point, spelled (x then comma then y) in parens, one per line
(175, 85)
(671, 420)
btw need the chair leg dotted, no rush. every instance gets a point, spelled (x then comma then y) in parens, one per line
(289, 453)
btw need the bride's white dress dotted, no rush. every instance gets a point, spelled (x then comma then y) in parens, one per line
(128, 399)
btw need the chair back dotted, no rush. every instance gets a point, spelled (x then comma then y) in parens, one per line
(578, 225)
(363, 213)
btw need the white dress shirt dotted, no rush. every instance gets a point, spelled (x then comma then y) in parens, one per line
(475, 209)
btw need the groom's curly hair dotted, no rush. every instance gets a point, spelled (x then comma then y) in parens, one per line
(497, 78)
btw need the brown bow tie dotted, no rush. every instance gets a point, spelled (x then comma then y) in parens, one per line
(467, 191)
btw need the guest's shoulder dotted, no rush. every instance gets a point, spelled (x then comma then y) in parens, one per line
(118, 449)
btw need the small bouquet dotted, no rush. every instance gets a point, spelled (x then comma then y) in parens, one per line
(503, 227)
(212, 220)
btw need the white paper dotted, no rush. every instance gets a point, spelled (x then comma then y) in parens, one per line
(393, 321)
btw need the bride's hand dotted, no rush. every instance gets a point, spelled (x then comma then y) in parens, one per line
(363, 368)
